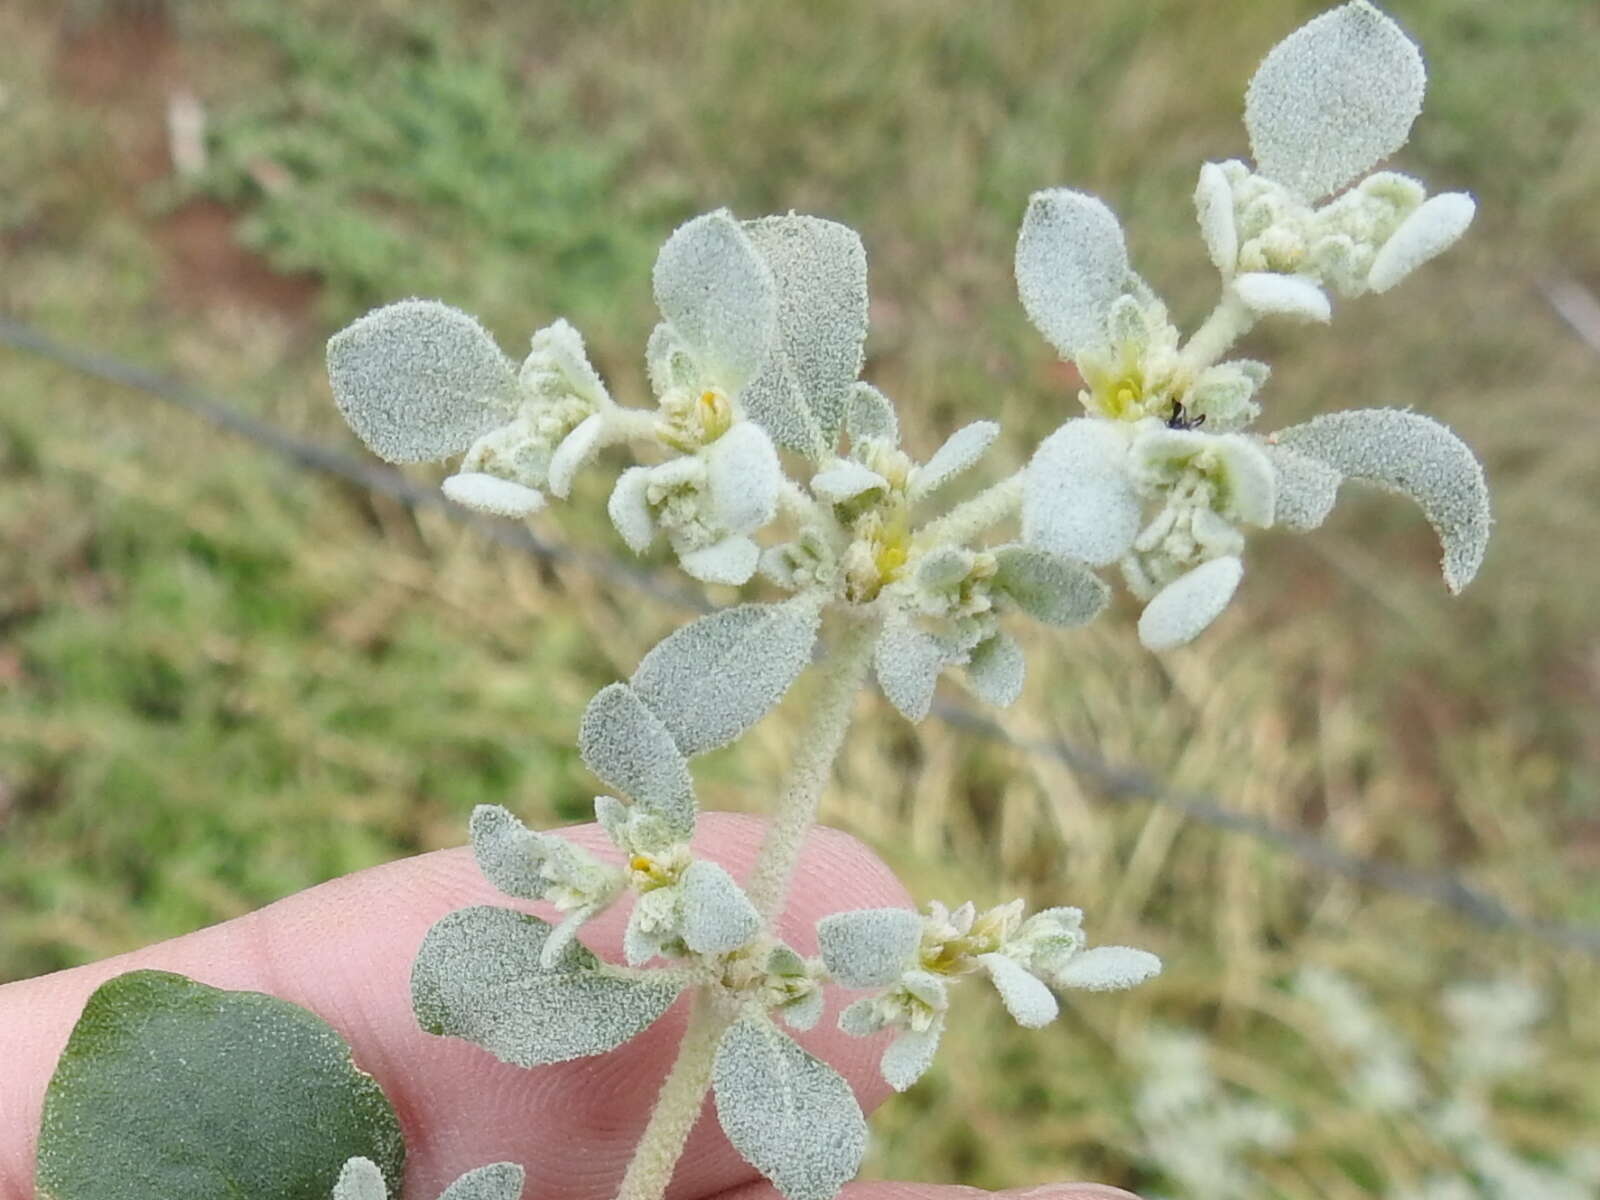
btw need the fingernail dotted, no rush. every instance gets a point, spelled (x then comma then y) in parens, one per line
(1069, 1191)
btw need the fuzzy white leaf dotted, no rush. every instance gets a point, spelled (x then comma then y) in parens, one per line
(863, 1018)
(871, 415)
(960, 451)
(360, 1179)
(731, 561)
(1307, 488)
(563, 935)
(716, 677)
(419, 381)
(1213, 205)
(1418, 457)
(1108, 969)
(717, 916)
(1247, 484)
(869, 947)
(1071, 264)
(743, 475)
(1077, 498)
(1428, 232)
(845, 479)
(1026, 997)
(640, 944)
(576, 449)
(719, 296)
(509, 854)
(493, 495)
(560, 345)
(909, 1056)
(907, 662)
(996, 670)
(629, 747)
(1332, 99)
(497, 1181)
(804, 1013)
(478, 976)
(1182, 609)
(1270, 295)
(1048, 586)
(629, 509)
(944, 568)
(821, 272)
(790, 1115)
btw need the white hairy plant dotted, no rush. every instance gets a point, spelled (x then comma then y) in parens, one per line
(764, 454)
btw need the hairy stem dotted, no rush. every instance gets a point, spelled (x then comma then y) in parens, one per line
(819, 744)
(1228, 322)
(967, 520)
(678, 1102)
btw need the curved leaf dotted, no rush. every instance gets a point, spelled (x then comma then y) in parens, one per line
(1071, 264)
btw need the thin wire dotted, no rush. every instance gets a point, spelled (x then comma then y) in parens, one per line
(1117, 783)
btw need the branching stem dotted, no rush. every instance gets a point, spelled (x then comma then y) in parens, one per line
(967, 520)
(1228, 322)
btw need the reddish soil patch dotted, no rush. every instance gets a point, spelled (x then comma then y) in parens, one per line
(207, 265)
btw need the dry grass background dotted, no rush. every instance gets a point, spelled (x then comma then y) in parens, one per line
(222, 679)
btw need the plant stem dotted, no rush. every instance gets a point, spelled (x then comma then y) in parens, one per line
(1228, 322)
(678, 1102)
(819, 744)
(972, 517)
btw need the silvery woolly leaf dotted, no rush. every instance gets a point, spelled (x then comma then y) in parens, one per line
(629, 509)
(844, 480)
(719, 297)
(1426, 233)
(821, 272)
(577, 448)
(869, 947)
(1213, 205)
(996, 669)
(790, 1115)
(1307, 488)
(1333, 98)
(1417, 456)
(804, 1012)
(360, 1179)
(960, 451)
(1270, 295)
(493, 495)
(717, 917)
(478, 976)
(1108, 969)
(561, 345)
(668, 362)
(1077, 498)
(497, 1181)
(1026, 997)
(909, 1056)
(719, 675)
(743, 477)
(870, 415)
(1182, 609)
(628, 747)
(1071, 264)
(419, 381)
(907, 662)
(510, 855)
(1049, 587)
(731, 561)
(944, 568)
(863, 1018)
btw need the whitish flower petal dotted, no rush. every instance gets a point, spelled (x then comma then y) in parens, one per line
(493, 495)
(611, 814)
(713, 287)
(1307, 488)
(1428, 232)
(909, 1056)
(1077, 498)
(1071, 264)
(509, 854)
(562, 345)
(863, 1018)
(717, 917)
(1048, 586)
(804, 1013)
(1108, 969)
(1250, 482)
(629, 509)
(639, 943)
(927, 987)
(1026, 997)
(419, 380)
(869, 947)
(498, 1181)
(1270, 295)
(731, 561)
(1182, 609)
(1333, 98)
(576, 449)
(844, 480)
(996, 670)
(907, 662)
(744, 477)
(821, 273)
(629, 747)
(1213, 204)
(870, 415)
(668, 362)
(960, 451)
(360, 1179)
(1417, 456)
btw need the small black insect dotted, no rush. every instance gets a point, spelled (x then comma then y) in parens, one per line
(1179, 421)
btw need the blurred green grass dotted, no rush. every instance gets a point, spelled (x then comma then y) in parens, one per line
(222, 680)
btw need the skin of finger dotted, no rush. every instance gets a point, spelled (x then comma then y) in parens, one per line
(344, 950)
(930, 1191)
